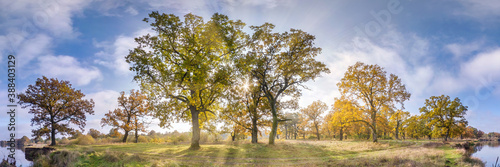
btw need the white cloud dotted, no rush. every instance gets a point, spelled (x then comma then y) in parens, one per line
(49, 15)
(393, 52)
(105, 101)
(31, 48)
(113, 55)
(131, 11)
(67, 68)
(460, 50)
(262, 3)
(483, 69)
(480, 8)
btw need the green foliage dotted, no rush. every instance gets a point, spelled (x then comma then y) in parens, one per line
(185, 67)
(281, 63)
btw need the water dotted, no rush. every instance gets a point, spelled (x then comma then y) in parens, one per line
(488, 151)
(20, 159)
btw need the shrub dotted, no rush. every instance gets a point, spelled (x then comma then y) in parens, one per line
(142, 139)
(63, 158)
(58, 158)
(110, 157)
(64, 141)
(157, 140)
(85, 140)
(310, 137)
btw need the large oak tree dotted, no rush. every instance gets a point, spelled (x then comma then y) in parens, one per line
(372, 91)
(281, 63)
(55, 105)
(185, 66)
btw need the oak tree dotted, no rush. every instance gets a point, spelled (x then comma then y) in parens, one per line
(185, 66)
(55, 105)
(372, 91)
(281, 64)
(444, 114)
(313, 114)
(132, 109)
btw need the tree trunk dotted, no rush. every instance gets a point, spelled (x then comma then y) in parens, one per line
(136, 135)
(374, 127)
(255, 131)
(447, 134)
(341, 135)
(125, 137)
(274, 127)
(295, 132)
(328, 130)
(195, 140)
(317, 131)
(53, 134)
(286, 132)
(397, 130)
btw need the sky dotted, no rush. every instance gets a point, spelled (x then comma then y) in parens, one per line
(449, 47)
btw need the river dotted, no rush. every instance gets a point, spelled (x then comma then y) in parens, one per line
(487, 152)
(20, 159)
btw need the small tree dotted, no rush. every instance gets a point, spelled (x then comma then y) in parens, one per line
(344, 113)
(94, 133)
(126, 118)
(398, 118)
(313, 113)
(55, 105)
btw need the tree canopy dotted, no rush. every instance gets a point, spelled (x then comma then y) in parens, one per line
(444, 114)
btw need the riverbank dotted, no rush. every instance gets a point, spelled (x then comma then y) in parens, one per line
(284, 153)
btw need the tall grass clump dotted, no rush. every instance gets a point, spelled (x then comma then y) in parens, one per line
(85, 140)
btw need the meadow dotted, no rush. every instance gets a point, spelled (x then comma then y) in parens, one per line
(283, 153)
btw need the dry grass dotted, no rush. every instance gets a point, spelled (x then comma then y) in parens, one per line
(283, 153)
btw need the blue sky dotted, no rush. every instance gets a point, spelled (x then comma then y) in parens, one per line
(436, 47)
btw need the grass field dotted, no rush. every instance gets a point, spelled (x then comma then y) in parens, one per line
(284, 153)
